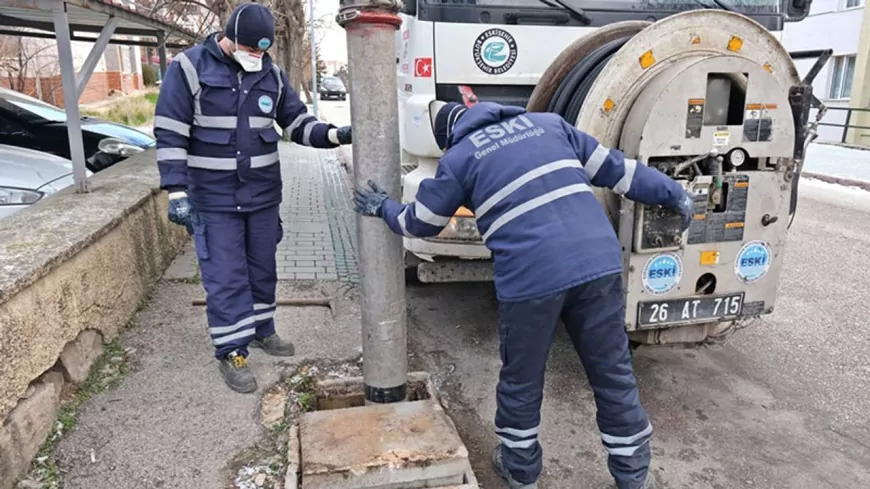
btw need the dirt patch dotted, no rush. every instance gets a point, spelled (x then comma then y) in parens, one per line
(479, 438)
(264, 465)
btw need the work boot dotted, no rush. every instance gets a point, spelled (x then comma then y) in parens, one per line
(649, 483)
(237, 375)
(275, 346)
(502, 471)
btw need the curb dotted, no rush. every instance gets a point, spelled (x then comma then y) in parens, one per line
(844, 145)
(837, 180)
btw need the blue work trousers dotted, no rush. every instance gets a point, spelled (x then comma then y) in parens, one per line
(236, 253)
(594, 316)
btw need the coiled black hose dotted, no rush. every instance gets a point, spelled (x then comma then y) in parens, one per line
(572, 92)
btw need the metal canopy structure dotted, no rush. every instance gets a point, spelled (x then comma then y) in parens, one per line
(79, 20)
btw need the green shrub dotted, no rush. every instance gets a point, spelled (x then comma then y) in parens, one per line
(149, 75)
(133, 111)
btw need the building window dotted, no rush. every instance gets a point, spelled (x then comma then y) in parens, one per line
(841, 79)
(854, 3)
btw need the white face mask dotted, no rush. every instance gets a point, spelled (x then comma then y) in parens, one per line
(249, 61)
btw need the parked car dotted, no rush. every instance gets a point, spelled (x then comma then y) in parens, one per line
(332, 87)
(27, 175)
(28, 122)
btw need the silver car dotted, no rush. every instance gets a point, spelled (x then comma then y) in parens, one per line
(26, 176)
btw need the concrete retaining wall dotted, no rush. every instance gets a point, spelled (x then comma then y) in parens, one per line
(74, 268)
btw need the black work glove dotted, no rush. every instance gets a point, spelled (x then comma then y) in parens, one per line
(181, 210)
(686, 208)
(345, 135)
(370, 202)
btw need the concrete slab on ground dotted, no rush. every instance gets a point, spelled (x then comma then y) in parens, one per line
(403, 445)
(185, 266)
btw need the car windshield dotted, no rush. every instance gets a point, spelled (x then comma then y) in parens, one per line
(33, 110)
(744, 6)
(333, 82)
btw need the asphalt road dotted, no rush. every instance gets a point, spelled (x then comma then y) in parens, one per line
(785, 404)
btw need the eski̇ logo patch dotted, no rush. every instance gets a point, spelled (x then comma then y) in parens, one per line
(265, 103)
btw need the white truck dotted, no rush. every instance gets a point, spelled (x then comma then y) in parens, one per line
(702, 90)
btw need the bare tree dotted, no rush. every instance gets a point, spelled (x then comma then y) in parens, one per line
(201, 16)
(290, 40)
(24, 60)
(292, 34)
(292, 49)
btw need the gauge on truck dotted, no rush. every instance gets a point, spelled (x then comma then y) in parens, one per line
(737, 157)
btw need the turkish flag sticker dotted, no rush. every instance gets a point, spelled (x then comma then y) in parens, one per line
(423, 67)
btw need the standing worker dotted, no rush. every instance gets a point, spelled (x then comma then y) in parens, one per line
(217, 151)
(528, 178)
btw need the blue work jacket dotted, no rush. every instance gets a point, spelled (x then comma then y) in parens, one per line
(528, 177)
(215, 129)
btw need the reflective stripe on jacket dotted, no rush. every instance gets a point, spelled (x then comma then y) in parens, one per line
(528, 177)
(215, 129)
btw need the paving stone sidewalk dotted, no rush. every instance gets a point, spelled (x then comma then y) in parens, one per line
(319, 223)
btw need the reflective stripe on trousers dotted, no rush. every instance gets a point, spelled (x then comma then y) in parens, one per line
(595, 319)
(236, 253)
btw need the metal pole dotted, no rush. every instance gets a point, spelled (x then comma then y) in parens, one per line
(846, 125)
(161, 54)
(375, 119)
(97, 51)
(70, 98)
(314, 91)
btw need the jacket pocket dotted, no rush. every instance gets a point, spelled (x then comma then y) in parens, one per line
(269, 135)
(200, 241)
(211, 135)
(218, 94)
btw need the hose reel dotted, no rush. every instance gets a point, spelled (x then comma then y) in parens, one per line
(704, 97)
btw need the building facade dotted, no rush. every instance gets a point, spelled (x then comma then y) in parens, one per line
(30, 65)
(838, 25)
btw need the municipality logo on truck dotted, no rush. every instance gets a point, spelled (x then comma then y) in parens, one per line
(495, 51)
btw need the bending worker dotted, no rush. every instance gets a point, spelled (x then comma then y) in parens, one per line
(556, 255)
(217, 150)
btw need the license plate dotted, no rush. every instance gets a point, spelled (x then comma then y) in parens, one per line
(691, 310)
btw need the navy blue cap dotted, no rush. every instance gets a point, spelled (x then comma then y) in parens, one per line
(444, 116)
(251, 25)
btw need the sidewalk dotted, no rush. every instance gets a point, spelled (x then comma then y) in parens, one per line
(172, 422)
(838, 164)
(319, 223)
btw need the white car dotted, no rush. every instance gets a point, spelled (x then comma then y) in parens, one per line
(26, 176)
